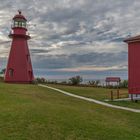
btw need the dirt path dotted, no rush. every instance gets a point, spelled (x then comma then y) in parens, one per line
(91, 100)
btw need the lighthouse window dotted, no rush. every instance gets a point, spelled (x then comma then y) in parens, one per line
(16, 24)
(11, 72)
(23, 24)
(20, 24)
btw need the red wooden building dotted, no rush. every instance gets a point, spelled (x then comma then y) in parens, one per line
(133, 65)
(110, 80)
(19, 67)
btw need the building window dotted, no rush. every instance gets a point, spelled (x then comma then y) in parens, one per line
(11, 72)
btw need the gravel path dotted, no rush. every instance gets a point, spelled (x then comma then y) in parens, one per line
(91, 100)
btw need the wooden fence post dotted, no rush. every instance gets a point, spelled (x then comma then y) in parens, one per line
(131, 97)
(118, 94)
(111, 94)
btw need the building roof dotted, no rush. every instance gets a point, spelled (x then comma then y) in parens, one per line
(113, 79)
(133, 39)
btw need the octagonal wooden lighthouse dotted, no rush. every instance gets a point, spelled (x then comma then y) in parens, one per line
(19, 67)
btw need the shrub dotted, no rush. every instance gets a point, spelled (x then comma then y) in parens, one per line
(75, 80)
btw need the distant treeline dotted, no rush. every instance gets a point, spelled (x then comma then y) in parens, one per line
(77, 81)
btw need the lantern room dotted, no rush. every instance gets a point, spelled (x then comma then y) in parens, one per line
(19, 21)
(19, 26)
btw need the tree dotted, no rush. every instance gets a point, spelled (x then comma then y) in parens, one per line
(76, 80)
(124, 84)
(91, 83)
(94, 83)
(2, 71)
(41, 80)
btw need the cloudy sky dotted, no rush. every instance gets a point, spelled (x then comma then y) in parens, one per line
(74, 37)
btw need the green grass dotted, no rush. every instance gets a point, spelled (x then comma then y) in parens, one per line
(100, 94)
(90, 92)
(29, 112)
(129, 104)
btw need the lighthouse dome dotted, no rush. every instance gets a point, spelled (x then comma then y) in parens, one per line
(19, 16)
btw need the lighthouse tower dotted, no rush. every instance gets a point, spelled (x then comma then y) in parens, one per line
(19, 67)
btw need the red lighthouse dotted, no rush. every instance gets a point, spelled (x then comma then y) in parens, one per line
(19, 67)
(134, 65)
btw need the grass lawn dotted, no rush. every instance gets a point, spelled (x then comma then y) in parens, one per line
(91, 92)
(100, 94)
(29, 112)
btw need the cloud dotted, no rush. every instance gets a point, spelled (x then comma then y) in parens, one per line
(91, 68)
(68, 35)
(89, 60)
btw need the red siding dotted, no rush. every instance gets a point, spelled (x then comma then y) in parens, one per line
(113, 79)
(134, 67)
